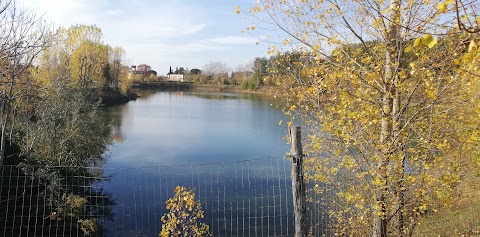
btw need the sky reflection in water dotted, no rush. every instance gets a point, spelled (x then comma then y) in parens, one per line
(163, 136)
(176, 128)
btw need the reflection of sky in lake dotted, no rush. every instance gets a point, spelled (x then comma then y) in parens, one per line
(173, 128)
(163, 138)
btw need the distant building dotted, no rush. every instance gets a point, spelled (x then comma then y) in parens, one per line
(176, 77)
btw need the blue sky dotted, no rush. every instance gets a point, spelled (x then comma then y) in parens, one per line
(187, 33)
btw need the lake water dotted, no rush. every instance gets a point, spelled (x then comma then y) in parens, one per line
(228, 146)
(177, 128)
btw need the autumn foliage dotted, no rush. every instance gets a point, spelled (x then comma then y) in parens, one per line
(388, 93)
(183, 218)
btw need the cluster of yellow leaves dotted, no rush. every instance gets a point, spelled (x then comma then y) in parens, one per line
(425, 40)
(88, 226)
(183, 218)
(443, 6)
(74, 209)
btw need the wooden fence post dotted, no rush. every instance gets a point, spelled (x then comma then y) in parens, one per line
(298, 183)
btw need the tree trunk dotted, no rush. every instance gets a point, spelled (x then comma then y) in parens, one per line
(392, 40)
(3, 124)
(399, 188)
(2, 145)
(380, 215)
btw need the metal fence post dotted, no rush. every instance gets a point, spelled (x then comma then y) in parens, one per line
(298, 182)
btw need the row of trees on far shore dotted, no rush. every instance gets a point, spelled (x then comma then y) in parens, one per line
(249, 77)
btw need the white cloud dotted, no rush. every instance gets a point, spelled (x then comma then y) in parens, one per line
(140, 19)
(193, 29)
(232, 40)
(59, 11)
(114, 12)
(159, 33)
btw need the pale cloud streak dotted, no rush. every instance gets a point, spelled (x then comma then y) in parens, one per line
(232, 40)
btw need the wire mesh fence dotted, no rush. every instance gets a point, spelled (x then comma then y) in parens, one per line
(51, 201)
(245, 198)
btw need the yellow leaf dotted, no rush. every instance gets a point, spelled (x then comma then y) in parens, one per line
(375, 24)
(417, 42)
(408, 49)
(237, 9)
(472, 46)
(442, 7)
(432, 43)
(426, 38)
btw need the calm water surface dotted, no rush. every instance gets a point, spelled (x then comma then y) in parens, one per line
(175, 128)
(163, 136)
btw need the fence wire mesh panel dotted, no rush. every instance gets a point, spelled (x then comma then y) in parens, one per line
(246, 198)
(52, 201)
(321, 199)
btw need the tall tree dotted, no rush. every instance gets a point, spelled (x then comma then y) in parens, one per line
(378, 95)
(145, 70)
(79, 51)
(116, 60)
(23, 35)
(212, 68)
(89, 56)
(260, 69)
(216, 71)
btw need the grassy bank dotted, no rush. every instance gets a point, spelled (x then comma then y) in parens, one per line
(228, 88)
(461, 218)
(164, 85)
(186, 86)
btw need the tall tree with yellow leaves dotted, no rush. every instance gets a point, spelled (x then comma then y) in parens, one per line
(78, 51)
(387, 94)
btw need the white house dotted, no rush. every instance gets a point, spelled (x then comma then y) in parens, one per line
(176, 77)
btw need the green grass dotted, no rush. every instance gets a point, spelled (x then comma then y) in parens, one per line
(462, 218)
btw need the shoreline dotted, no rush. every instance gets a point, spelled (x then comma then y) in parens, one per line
(229, 88)
(117, 98)
(114, 99)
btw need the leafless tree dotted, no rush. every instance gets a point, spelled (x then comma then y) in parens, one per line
(23, 35)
